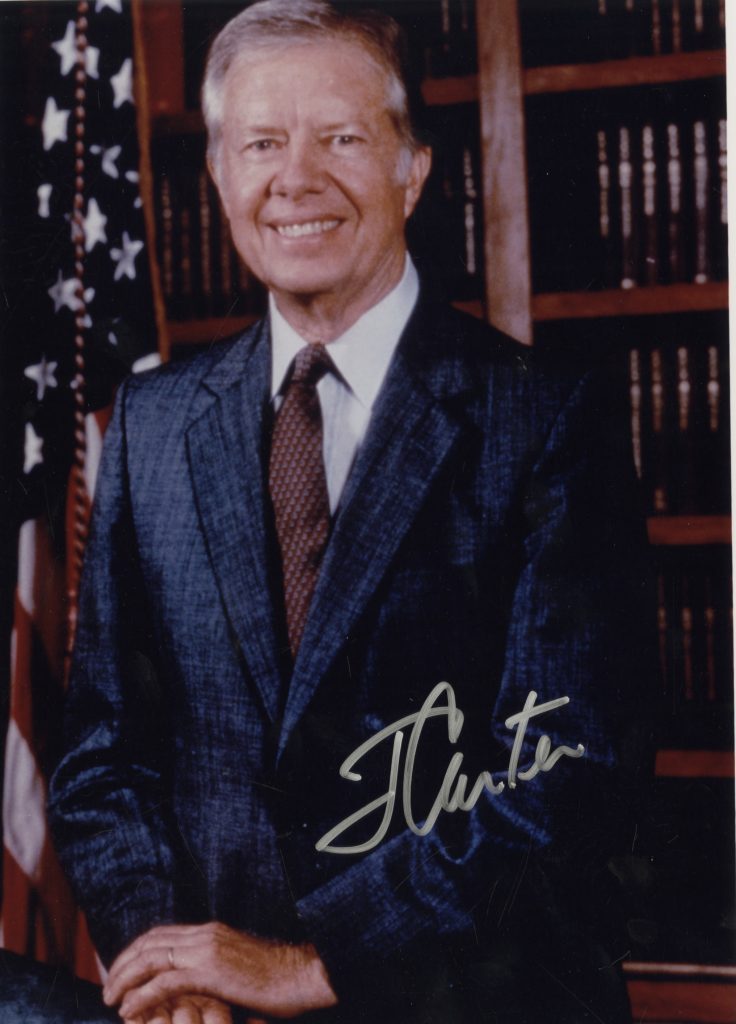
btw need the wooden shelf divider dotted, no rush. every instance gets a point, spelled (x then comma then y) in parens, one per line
(694, 764)
(666, 298)
(442, 92)
(689, 530)
(211, 329)
(671, 67)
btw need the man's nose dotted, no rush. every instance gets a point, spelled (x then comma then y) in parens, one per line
(301, 170)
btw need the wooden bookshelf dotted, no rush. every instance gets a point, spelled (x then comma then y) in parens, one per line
(694, 764)
(670, 298)
(210, 329)
(682, 992)
(611, 74)
(689, 530)
(439, 92)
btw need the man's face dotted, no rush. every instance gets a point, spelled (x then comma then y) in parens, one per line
(309, 172)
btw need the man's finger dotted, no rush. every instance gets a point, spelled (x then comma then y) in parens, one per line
(215, 1012)
(161, 989)
(184, 1011)
(160, 1015)
(135, 971)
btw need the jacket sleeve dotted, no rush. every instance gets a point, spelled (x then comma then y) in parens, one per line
(106, 813)
(579, 627)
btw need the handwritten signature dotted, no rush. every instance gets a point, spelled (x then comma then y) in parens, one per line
(453, 795)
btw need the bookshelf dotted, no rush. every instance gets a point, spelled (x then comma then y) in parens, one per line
(501, 89)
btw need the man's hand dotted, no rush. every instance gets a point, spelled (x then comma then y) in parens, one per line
(186, 1010)
(269, 978)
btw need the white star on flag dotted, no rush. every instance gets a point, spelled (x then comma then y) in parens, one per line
(125, 257)
(63, 292)
(44, 195)
(66, 47)
(54, 125)
(109, 156)
(94, 226)
(43, 375)
(91, 61)
(122, 84)
(32, 449)
(114, 5)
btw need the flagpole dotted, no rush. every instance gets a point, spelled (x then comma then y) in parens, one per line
(79, 498)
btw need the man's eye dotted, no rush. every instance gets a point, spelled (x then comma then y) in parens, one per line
(261, 145)
(345, 140)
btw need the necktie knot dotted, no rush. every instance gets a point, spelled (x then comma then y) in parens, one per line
(311, 364)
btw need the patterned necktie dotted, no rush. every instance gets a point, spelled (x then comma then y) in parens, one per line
(298, 487)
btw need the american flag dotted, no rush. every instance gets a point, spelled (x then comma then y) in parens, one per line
(78, 316)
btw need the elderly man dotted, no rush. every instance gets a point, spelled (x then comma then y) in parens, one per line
(268, 800)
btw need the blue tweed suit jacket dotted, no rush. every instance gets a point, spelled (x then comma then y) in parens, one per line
(488, 536)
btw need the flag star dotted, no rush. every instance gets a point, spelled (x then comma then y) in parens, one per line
(91, 61)
(54, 125)
(32, 449)
(44, 195)
(67, 48)
(43, 375)
(132, 176)
(64, 293)
(109, 159)
(122, 84)
(125, 257)
(114, 5)
(94, 226)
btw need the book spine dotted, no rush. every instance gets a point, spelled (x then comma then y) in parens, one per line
(701, 180)
(650, 214)
(225, 261)
(659, 461)
(167, 246)
(674, 205)
(676, 27)
(686, 623)
(205, 241)
(709, 622)
(721, 255)
(684, 466)
(625, 176)
(656, 28)
(635, 395)
(662, 635)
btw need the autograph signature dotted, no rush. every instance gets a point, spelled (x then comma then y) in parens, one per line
(452, 795)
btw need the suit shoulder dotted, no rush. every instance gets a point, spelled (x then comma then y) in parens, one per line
(494, 356)
(174, 383)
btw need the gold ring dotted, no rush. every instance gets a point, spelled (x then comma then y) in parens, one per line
(172, 965)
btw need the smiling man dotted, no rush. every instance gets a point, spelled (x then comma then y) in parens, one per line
(297, 536)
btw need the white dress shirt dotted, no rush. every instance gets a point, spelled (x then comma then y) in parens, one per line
(362, 356)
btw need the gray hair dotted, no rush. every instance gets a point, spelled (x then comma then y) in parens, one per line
(273, 24)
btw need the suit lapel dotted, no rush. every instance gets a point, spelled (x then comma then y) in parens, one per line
(225, 460)
(410, 436)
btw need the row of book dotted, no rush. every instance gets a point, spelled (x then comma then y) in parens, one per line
(577, 31)
(447, 231)
(201, 273)
(644, 203)
(695, 637)
(441, 37)
(679, 408)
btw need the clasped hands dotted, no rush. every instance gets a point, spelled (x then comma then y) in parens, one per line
(188, 974)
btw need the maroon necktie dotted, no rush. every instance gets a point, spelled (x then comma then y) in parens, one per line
(298, 487)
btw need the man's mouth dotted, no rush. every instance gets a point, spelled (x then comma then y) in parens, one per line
(312, 227)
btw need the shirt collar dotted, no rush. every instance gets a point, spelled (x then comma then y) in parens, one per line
(363, 353)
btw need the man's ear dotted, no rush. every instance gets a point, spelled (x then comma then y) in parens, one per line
(421, 162)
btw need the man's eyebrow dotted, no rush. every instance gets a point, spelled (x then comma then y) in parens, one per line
(261, 129)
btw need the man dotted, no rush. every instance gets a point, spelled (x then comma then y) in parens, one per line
(290, 552)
